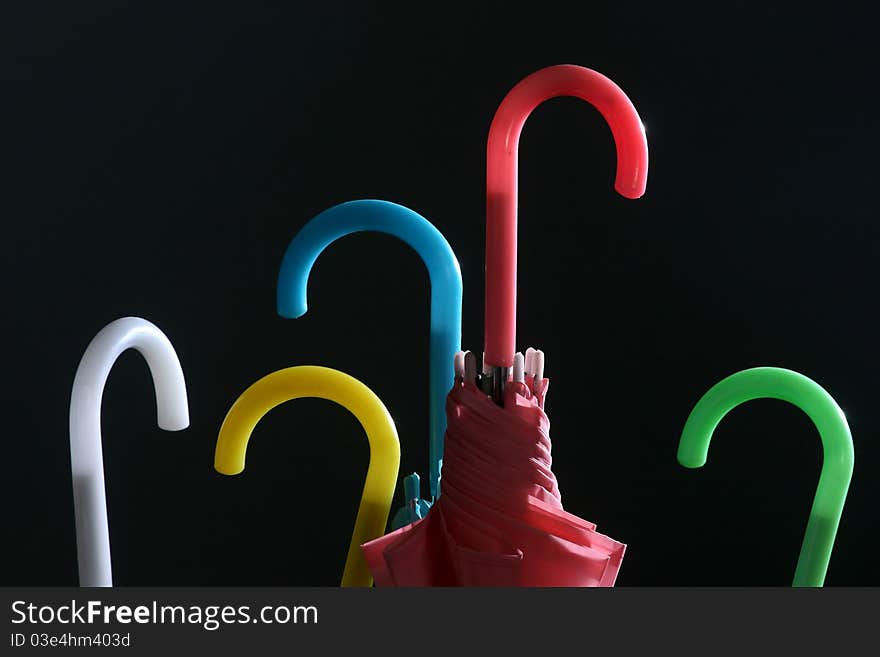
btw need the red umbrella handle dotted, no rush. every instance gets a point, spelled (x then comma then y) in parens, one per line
(501, 181)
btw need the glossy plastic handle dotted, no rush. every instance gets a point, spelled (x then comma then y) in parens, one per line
(837, 447)
(348, 392)
(446, 290)
(501, 181)
(86, 455)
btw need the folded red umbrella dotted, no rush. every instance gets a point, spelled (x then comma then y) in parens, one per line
(499, 519)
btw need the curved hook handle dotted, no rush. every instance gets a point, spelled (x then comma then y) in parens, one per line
(446, 291)
(86, 456)
(837, 447)
(333, 385)
(501, 181)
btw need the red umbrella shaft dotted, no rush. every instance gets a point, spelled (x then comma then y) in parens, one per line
(501, 181)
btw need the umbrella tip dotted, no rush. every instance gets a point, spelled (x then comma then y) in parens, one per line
(539, 365)
(412, 487)
(459, 364)
(530, 361)
(519, 368)
(470, 367)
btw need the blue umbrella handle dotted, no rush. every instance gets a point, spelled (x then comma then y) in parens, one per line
(446, 290)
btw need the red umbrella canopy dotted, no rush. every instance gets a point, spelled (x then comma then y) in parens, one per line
(499, 520)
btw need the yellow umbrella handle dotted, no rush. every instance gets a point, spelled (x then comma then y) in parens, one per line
(324, 383)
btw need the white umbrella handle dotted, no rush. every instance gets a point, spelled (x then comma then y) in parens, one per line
(86, 456)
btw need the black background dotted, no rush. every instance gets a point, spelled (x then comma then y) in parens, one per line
(158, 159)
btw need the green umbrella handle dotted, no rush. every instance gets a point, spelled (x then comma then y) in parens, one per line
(837, 447)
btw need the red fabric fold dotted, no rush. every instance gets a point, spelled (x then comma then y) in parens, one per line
(499, 520)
